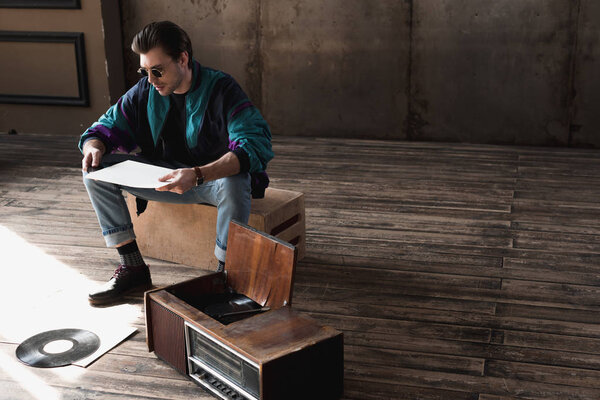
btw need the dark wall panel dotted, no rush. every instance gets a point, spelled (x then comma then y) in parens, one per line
(336, 68)
(491, 71)
(586, 118)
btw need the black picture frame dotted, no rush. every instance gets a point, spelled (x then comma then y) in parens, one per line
(76, 38)
(69, 4)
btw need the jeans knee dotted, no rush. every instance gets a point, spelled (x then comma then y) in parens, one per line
(100, 188)
(87, 182)
(235, 188)
(91, 184)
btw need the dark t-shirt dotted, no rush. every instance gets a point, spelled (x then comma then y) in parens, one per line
(173, 148)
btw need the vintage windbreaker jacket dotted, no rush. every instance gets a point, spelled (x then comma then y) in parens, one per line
(219, 118)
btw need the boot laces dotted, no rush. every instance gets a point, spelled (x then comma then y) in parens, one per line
(120, 271)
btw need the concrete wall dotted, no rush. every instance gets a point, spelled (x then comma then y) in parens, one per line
(492, 70)
(336, 68)
(502, 71)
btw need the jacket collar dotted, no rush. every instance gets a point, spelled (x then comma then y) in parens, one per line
(203, 82)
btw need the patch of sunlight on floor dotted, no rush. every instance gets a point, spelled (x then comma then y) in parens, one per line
(27, 379)
(40, 293)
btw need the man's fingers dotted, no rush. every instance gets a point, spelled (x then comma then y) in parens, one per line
(166, 187)
(96, 157)
(177, 182)
(91, 159)
(166, 177)
(85, 162)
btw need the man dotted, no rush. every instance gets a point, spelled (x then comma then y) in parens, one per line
(193, 119)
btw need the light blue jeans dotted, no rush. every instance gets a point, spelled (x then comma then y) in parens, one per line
(231, 196)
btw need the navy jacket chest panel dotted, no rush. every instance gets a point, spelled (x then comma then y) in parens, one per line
(213, 141)
(143, 134)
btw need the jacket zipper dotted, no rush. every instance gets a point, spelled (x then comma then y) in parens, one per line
(185, 142)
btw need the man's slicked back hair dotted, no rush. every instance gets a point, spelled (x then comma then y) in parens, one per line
(164, 34)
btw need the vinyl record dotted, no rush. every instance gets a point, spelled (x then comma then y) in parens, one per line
(32, 352)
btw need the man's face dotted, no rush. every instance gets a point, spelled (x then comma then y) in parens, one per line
(173, 71)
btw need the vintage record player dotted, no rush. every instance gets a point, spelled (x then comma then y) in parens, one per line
(235, 333)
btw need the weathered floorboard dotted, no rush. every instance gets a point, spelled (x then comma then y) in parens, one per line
(458, 272)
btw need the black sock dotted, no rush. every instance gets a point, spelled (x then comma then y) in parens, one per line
(221, 266)
(130, 255)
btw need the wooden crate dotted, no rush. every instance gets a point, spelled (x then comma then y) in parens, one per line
(185, 233)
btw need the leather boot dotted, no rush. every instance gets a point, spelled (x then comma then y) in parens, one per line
(124, 280)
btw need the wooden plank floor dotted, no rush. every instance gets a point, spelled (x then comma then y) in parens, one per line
(455, 271)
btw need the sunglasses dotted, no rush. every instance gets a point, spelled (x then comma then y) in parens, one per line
(155, 71)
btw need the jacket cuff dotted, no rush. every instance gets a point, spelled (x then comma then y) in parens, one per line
(243, 158)
(90, 137)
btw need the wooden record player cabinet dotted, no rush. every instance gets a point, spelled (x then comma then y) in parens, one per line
(277, 354)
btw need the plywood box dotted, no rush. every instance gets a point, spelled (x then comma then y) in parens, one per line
(185, 233)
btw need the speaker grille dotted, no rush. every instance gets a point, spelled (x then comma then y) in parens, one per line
(168, 336)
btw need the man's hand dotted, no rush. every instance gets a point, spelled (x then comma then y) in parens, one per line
(93, 150)
(182, 180)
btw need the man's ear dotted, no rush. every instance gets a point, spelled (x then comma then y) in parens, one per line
(184, 58)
